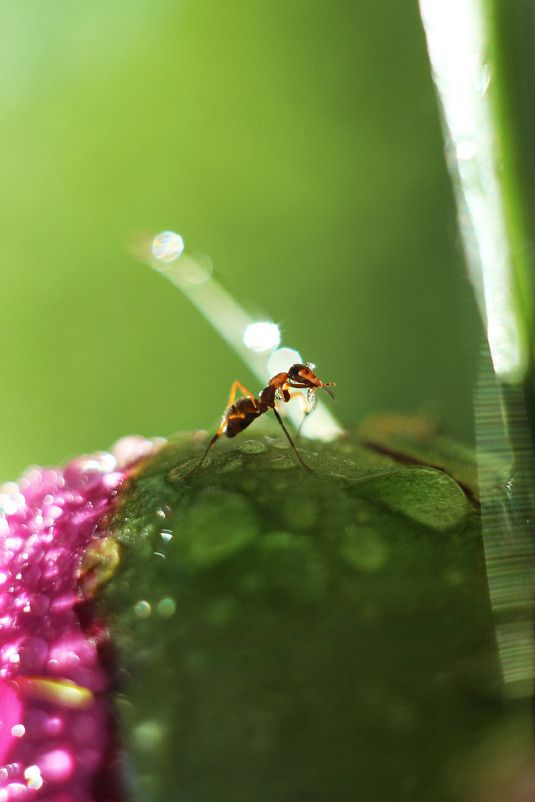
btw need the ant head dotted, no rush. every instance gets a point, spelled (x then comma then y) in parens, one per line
(304, 374)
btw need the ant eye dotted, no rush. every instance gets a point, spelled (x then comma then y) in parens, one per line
(310, 365)
(295, 370)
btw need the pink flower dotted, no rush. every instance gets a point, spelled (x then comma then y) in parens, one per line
(56, 720)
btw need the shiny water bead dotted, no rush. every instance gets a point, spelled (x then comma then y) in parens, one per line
(39, 603)
(167, 246)
(33, 652)
(85, 472)
(56, 722)
(130, 449)
(58, 764)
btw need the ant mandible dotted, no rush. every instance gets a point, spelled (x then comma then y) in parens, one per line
(239, 414)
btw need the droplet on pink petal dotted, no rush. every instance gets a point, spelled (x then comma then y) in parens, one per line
(62, 659)
(33, 652)
(39, 603)
(40, 725)
(31, 575)
(15, 791)
(56, 765)
(83, 473)
(131, 448)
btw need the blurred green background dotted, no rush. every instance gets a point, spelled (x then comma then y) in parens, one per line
(295, 142)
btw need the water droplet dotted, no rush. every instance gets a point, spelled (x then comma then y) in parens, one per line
(18, 730)
(56, 765)
(15, 791)
(283, 464)
(363, 548)
(32, 774)
(148, 735)
(196, 269)
(167, 246)
(33, 653)
(10, 489)
(84, 472)
(280, 360)
(106, 460)
(13, 544)
(8, 505)
(131, 448)
(252, 447)
(166, 607)
(39, 604)
(216, 525)
(142, 609)
(261, 336)
(32, 476)
(280, 443)
(230, 465)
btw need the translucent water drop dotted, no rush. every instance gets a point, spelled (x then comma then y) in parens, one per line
(32, 775)
(167, 246)
(18, 730)
(196, 269)
(56, 765)
(148, 736)
(166, 607)
(142, 609)
(133, 447)
(281, 360)
(262, 336)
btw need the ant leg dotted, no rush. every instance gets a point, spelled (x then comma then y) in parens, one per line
(238, 386)
(307, 412)
(308, 406)
(284, 429)
(216, 436)
(235, 386)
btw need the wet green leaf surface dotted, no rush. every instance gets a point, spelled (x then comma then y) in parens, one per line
(292, 636)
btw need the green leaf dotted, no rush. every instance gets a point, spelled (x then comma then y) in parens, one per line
(288, 635)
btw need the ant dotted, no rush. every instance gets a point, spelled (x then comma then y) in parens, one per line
(239, 414)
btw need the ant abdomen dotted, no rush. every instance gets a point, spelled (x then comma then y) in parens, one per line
(240, 415)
